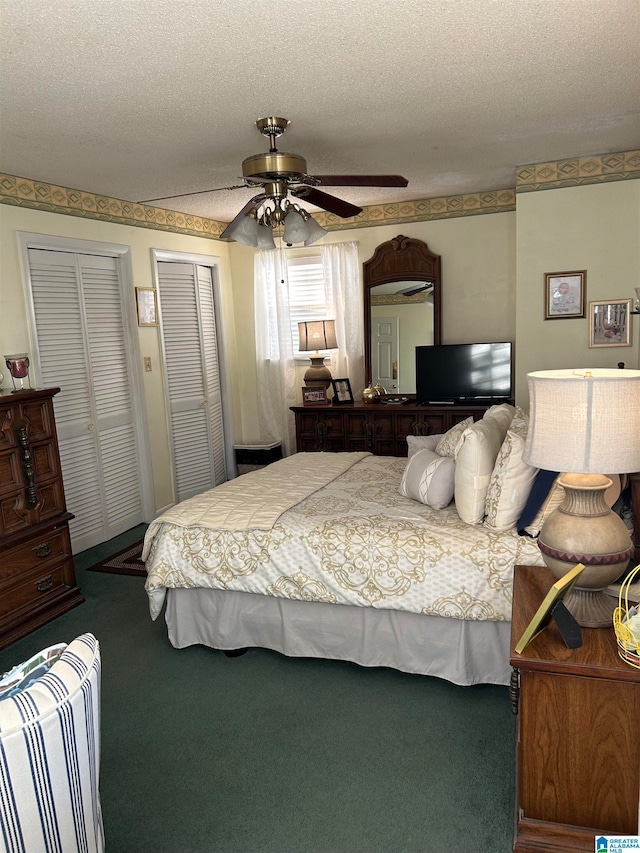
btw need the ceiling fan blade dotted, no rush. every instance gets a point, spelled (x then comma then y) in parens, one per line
(256, 201)
(195, 192)
(412, 291)
(327, 202)
(361, 180)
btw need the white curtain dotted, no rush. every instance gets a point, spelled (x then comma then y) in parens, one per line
(344, 289)
(275, 367)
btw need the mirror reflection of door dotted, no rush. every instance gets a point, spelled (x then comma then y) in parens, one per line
(412, 314)
(384, 352)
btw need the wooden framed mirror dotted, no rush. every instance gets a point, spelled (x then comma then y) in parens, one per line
(402, 310)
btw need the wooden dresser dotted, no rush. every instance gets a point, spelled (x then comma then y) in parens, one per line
(578, 745)
(377, 427)
(37, 576)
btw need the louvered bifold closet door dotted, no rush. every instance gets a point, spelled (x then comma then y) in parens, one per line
(79, 326)
(192, 375)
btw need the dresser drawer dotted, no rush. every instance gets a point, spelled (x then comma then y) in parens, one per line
(52, 547)
(15, 516)
(37, 586)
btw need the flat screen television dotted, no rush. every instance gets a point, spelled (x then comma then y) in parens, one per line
(463, 373)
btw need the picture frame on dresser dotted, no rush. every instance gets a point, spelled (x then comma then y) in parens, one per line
(314, 395)
(342, 392)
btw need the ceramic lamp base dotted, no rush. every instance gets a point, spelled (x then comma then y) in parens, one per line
(318, 375)
(584, 530)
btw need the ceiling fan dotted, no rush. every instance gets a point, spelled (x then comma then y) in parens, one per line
(280, 174)
(421, 287)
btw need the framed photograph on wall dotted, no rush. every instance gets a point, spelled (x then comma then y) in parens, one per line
(610, 323)
(313, 395)
(564, 294)
(147, 306)
(342, 392)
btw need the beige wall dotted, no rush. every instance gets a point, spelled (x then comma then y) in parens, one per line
(594, 228)
(14, 331)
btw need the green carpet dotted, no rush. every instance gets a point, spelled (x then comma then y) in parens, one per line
(265, 754)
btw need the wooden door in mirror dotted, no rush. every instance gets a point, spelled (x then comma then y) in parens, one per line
(395, 267)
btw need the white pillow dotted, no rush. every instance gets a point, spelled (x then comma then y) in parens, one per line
(475, 460)
(429, 478)
(448, 443)
(505, 412)
(512, 478)
(421, 442)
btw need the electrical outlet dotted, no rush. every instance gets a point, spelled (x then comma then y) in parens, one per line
(147, 364)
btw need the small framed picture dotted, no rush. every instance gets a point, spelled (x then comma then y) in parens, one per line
(147, 306)
(610, 323)
(314, 395)
(564, 294)
(342, 392)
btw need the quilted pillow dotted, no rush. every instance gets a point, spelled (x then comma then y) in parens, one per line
(475, 460)
(421, 442)
(449, 441)
(512, 478)
(429, 478)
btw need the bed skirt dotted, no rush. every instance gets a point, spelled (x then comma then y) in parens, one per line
(463, 652)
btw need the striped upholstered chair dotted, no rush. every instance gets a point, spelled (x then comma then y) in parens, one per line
(50, 758)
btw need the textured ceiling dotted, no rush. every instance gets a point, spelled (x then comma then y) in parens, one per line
(138, 99)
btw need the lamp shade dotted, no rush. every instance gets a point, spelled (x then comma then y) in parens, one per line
(295, 228)
(317, 334)
(265, 237)
(584, 421)
(316, 232)
(246, 231)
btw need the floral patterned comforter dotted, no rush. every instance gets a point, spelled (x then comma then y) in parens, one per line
(353, 541)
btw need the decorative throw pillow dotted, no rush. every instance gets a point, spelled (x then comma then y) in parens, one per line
(475, 460)
(448, 443)
(421, 442)
(505, 413)
(512, 478)
(429, 478)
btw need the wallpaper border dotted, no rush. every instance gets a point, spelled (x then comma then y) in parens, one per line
(578, 171)
(39, 195)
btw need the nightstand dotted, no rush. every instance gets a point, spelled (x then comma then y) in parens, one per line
(578, 742)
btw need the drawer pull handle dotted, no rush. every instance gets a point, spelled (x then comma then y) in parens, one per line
(44, 583)
(43, 550)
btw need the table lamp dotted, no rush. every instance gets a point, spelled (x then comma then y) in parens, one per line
(583, 422)
(317, 335)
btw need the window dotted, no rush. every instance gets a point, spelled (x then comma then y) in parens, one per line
(308, 297)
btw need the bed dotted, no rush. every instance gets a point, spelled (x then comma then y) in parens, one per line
(319, 555)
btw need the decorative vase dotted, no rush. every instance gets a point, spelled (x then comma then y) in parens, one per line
(369, 394)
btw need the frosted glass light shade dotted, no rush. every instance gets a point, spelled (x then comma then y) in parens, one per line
(584, 421)
(265, 237)
(246, 231)
(316, 232)
(316, 335)
(295, 228)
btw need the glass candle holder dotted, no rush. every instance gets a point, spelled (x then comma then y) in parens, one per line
(18, 365)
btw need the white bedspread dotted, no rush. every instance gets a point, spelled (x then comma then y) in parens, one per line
(355, 540)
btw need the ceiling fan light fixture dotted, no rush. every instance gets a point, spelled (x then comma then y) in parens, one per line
(246, 231)
(296, 229)
(316, 232)
(265, 236)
